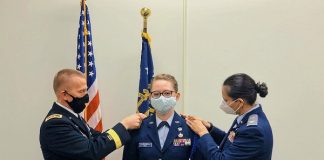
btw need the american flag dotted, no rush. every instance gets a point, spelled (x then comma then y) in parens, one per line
(86, 64)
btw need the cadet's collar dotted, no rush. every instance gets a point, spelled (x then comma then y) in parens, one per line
(169, 120)
(239, 118)
(66, 108)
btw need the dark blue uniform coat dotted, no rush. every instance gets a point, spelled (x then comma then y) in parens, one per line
(251, 139)
(63, 136)
(145, 144)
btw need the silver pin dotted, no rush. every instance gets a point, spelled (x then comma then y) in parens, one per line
(179, 129)
(180, 135)
(151, 123)
(176, 122)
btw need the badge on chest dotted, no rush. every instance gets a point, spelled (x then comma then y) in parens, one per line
(144, 144)
(182, 142)
(231, 136)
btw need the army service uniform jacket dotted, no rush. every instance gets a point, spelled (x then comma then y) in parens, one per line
(63, 136)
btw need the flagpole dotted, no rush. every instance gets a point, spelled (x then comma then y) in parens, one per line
(85, 32)
(145, 12)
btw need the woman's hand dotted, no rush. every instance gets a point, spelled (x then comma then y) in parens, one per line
(197, 126)
(204, 122)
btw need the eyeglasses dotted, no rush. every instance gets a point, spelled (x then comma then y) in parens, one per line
(166, 94)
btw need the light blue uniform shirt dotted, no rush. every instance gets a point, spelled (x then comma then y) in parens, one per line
(163, 132)
(239, 118)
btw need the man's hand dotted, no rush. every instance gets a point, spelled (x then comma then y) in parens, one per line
(133, 121)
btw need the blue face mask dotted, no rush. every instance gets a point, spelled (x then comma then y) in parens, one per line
(163, 105)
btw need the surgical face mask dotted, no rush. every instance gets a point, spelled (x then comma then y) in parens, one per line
(163, 105)
(227, 109)
(78, 104)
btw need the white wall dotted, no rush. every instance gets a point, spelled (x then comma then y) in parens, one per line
(200, 42)
(279, 42)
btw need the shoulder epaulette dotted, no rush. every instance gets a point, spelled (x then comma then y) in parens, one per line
(253, 120)
(53, 116)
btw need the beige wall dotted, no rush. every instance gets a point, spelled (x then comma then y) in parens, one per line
(200, 42)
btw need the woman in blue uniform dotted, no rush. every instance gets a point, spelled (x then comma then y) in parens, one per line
(250, 135)
(164, 135)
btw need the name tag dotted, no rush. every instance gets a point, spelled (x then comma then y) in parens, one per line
(144, 145)
(182, 142)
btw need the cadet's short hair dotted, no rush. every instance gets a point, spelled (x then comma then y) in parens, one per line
(64, 76)
(166, 77)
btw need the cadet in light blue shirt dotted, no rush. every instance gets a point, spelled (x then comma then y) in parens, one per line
(163, 135)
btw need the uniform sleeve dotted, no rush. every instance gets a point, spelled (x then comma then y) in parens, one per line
(217, 134)
(130, 148)
(64, 140)
(94, 132)
(246, 146)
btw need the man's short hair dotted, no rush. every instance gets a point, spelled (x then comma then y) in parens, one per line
(63, 76)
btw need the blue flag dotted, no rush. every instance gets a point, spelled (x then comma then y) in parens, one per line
(146, 75)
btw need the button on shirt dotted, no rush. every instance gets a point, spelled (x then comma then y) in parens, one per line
(164, 130)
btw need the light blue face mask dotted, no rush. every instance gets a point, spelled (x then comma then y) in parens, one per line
(163, 105)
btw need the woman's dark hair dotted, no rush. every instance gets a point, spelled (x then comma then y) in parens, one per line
(243, 86)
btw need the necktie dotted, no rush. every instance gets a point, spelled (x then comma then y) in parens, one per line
(80, 118)
(163, 123)
(83, 122)
(163, 132)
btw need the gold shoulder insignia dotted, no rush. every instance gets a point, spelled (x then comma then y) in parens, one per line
(53, 116)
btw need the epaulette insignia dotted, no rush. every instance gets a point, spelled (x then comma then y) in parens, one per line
(253, 120)
(53, 116)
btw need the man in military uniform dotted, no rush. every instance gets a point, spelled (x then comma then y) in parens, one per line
(64, 135)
